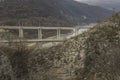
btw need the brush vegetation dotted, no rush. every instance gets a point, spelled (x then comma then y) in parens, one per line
(93, 55)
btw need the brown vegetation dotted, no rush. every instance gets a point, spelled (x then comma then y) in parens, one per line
(93, 55)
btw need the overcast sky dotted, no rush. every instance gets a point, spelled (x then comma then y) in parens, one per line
(99, 1)
(109, 4)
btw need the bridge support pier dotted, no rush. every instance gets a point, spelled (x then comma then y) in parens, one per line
(58, 33)
(39, 33)
(21, 35)
(76, 31)
(39, 37)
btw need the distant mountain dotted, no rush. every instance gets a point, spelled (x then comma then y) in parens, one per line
(112, 6)
(49, 13)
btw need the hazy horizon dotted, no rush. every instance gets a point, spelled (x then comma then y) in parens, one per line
(109, 4)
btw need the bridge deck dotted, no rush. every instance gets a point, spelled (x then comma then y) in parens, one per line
(25, 27)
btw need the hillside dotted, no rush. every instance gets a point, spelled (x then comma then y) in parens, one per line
(93, 55)
(49, 13)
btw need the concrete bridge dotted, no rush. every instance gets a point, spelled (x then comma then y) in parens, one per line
(39, 34)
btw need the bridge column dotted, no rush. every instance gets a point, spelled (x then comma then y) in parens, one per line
(76, 31)
(39, 33)
(58, 33)
(39, 37)
(21, 35)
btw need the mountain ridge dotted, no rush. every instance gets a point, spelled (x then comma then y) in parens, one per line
(49, 13)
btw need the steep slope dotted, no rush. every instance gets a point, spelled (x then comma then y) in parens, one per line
(49, 12)
(93, 55)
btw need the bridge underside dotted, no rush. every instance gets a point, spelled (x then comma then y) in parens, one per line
(32, 40)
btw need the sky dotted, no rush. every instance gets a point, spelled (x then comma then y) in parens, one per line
(109, 4)
(99, 1)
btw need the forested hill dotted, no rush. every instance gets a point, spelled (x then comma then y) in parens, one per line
(49, 13)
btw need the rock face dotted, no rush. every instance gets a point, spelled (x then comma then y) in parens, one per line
(93, 55)
(49, 13)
